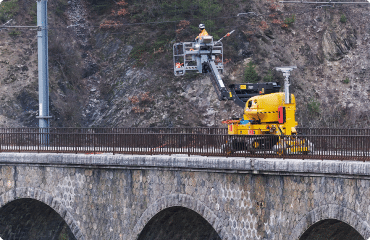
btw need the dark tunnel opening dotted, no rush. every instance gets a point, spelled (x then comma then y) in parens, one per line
(25, 219)
(178, 223)
(331, 229)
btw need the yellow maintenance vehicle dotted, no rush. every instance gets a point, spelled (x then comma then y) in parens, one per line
(268, 122)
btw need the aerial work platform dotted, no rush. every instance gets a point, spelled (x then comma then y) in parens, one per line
(206, 56)
(191, 56)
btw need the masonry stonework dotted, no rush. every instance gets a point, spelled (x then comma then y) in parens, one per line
(115, 196)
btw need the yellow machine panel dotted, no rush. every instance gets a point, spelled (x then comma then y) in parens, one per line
(266, 114)
(264, 108)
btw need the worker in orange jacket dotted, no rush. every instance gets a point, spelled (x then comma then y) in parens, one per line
(179, 65)
(203, 32)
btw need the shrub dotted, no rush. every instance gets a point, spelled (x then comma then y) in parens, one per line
(343, 18)
(8, 10)
(346, 81)
(250, 74)
(313, 106)
(290, 21)
(14, 33)
(269, 77)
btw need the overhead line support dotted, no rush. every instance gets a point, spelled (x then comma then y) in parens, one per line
(42, 41)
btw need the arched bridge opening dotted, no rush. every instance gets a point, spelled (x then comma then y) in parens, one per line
(27, 218)
(331, 229)
(178, 223)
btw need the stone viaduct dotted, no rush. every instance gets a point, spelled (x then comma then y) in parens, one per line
(103, 196)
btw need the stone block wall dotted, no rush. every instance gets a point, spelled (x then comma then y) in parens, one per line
(116, 196)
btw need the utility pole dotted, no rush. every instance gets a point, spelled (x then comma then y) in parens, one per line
(42, 41)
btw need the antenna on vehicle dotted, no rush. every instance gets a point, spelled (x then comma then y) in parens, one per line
(286, 73)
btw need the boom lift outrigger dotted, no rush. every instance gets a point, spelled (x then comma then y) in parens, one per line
(269, 115)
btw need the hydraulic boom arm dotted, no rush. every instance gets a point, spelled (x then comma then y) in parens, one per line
(216, 79)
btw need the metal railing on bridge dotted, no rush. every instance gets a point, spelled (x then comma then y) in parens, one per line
(321, 143)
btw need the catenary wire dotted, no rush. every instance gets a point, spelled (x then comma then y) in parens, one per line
(173, 21)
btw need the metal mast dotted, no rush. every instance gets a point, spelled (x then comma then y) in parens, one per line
(286, 74)
(42, 41)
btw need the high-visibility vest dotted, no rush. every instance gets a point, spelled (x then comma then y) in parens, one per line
(203, 33)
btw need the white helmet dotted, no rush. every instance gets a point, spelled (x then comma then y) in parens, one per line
(201, 26)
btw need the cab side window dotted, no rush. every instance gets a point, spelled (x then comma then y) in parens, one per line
(249, 104)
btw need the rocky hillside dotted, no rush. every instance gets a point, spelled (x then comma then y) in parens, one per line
(110, 62)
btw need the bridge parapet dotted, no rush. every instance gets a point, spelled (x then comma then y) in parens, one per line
(347, 169)
(106, 196)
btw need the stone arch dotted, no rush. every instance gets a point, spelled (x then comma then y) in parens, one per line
(46, 198)
(331, 211)
(180, 200)
(331, 229)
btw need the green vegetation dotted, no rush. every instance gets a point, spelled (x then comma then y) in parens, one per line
(170, 22)
(201, 11)
(61, 7)
(63, 236)
(290, 20)
(343, 18)
(14, 33)
(33, 13)
(250, 74)
(8, 10)
(269, 77)
(101, 6)
(147, 51)
(175, 10)
(313, 106)
(210, 9)
(346, 81)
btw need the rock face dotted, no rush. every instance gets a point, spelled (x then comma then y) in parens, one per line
(337, 44)
(123, 76)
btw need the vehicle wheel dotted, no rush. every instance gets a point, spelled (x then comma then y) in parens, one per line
(279, 148)
(256, 144)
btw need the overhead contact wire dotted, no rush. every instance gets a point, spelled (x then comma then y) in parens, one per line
(175, 21)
